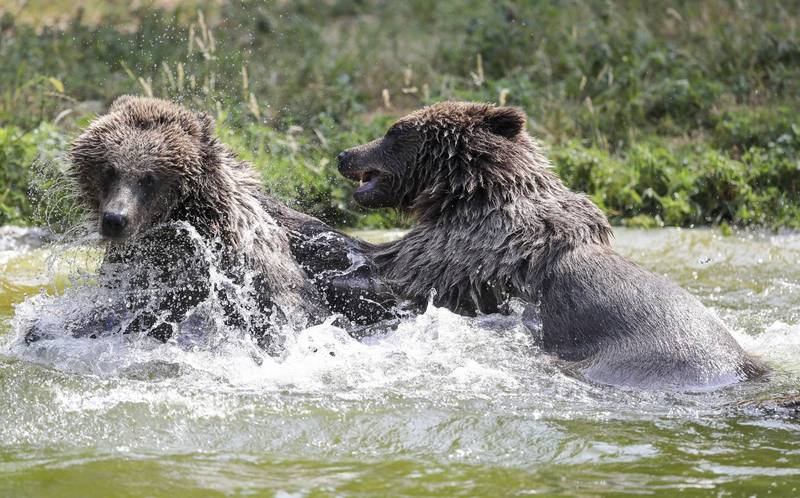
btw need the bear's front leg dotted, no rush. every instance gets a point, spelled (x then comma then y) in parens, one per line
(360, 296)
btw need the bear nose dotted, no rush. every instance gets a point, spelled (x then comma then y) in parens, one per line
(342, 157)
(113, 224)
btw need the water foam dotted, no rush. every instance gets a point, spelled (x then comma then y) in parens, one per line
(437, 356)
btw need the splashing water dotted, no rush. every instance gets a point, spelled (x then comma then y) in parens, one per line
(440, 405)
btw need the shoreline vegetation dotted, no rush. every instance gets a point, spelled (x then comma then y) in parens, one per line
(665, 113)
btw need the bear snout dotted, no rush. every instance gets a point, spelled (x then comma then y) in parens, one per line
(113, 224)
(347, 165)
(343, 159)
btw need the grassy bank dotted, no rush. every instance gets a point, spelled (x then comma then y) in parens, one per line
(677, 113)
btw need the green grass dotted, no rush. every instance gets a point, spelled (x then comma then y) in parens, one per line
(678, 113)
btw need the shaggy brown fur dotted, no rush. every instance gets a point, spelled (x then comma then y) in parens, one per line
(340, 265)
(151, 163)
(494, 222)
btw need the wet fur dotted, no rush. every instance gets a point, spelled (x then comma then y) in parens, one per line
(494, 222)
(340, 265)
(214, 192)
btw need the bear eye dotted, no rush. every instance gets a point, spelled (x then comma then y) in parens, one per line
(393, 132)
(147, 180)
(107, 171)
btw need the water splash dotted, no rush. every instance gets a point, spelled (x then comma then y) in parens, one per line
(436, 387)
(487, 357)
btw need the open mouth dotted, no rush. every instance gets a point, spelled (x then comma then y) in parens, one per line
(367, 179)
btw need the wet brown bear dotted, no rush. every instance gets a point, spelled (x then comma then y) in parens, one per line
(172, 202)
(493, 222)
(150, 162)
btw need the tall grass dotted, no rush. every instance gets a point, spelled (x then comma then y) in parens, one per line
(292, 83)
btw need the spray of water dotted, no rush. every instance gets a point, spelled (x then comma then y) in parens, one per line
(210, 366)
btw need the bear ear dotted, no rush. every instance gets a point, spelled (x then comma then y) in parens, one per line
(121, 102)
(505, 121)
(206, 124)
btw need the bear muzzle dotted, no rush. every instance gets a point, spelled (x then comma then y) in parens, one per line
(113, 225)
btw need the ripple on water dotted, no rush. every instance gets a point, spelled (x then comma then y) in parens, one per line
(441, 404)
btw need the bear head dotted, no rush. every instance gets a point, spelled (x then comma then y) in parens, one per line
(135, 165)
(453, 149)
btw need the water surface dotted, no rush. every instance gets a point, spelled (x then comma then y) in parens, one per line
(442, 406)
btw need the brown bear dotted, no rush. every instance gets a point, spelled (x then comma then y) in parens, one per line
(172, 203)
(494, 222)
(340, 266)
(150, 162)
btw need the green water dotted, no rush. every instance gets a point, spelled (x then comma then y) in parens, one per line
(444, 406)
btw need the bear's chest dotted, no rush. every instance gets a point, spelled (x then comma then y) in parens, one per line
(468, 269)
